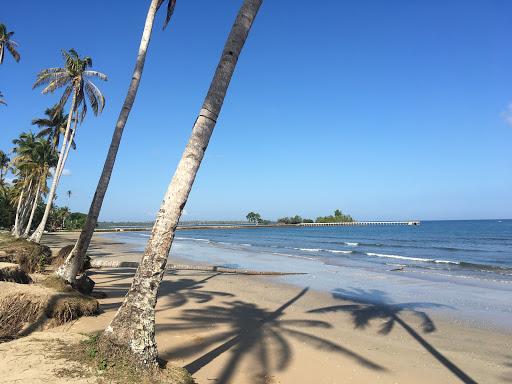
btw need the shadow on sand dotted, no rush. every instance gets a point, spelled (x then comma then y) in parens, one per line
(252, 331)
(367, 305)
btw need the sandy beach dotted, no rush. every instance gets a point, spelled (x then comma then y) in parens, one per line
(252, 329)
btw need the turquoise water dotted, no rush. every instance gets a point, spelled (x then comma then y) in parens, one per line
(464, 266)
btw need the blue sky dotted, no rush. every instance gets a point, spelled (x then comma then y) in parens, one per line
(386, 110)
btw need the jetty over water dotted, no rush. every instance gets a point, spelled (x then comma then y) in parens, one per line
(252, 226)
(360, 223)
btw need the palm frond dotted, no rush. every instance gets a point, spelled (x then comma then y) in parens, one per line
(170, 10)
(97, 74)
(45, 77)
(95, 96)
(55, 84)
(11, 47)
(42, 123)
(65, 96)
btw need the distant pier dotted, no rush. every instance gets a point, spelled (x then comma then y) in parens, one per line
(250, 226)
(360, 223)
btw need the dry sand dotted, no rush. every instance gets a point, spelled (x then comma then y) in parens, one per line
(252, 329)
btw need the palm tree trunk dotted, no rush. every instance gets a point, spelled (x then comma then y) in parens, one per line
(38, 233)
(15, 229)
(76, 258)
(68, 147)
(25, 210)
(32, 212)
(133, 326)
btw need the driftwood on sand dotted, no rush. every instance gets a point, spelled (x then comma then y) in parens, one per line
(95, 263)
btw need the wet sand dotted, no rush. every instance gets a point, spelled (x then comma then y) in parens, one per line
(251, 329)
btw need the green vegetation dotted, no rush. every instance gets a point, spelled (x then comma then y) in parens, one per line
(293, 220)
(339, 217)
(253, 217)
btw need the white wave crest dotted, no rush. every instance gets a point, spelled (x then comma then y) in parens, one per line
(338, 251)
(399, 257)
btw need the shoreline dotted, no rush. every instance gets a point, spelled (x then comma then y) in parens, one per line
(481, 303)
(289, 332)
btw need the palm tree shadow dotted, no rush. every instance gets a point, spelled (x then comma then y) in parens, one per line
(368, 305)
(179, 292)
(254, 332)
(507, 377)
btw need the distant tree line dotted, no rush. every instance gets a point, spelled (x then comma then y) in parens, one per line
(293, 220)
(339, 217)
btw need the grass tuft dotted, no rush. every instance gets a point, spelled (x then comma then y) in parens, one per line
(115, 364)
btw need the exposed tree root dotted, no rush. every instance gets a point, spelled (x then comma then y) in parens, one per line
(12, 273)
(95, 263)
(31, 257)
(27, 308)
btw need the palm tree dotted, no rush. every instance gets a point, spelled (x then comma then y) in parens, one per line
(76, 258)
(7, 42)
(4, 166)
(133, 326)
(44, 158)
(75, 77)
(24, 168)
(52, 126)
(2, 100)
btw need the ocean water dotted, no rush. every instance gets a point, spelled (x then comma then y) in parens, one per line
(460, 265)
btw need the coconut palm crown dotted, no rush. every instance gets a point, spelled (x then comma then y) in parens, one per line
(76, 78)
(52, 126)
(7, 42)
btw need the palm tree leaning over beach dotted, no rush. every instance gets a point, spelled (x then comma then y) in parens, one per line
(76, 258)
(75, 77)
(133, 327)
(6, 41)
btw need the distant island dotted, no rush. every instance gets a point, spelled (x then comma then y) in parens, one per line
(338, 217)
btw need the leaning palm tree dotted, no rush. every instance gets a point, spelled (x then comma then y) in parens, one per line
(76, 258)
(6, 41)
(76, 78)
(53, 126)
(133, 327)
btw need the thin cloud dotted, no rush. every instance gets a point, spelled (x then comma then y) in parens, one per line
(507, 114)
(65, 172)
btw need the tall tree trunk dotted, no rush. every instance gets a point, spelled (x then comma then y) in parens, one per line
(32, 212)
(18, 210)
(133, 326)
(38, 233)
(68, 147)
(25, 210)
(17, 221)
(76, 258)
